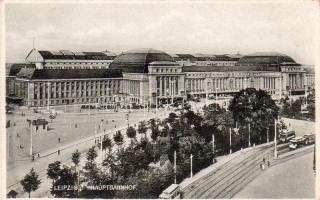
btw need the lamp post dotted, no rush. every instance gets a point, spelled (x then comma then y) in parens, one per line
(213, 160)
(175, 167)
(101, 148)
(249, 142)
(31, 127)
(230, 151)
(191, 174)
(172, 88)
(48, 107)
(275, 139)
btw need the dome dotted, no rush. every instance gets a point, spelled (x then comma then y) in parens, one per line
(137, 60)
(266, 59)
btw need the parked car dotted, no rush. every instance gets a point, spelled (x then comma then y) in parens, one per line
(297, 142)
(310, 138)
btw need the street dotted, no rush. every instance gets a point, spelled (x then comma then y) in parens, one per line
(291, 179)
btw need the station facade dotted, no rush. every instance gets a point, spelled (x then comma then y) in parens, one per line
(153, 77)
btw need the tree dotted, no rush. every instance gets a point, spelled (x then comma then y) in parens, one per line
(66, 177)
(142, 128)
(91, 170)
(30, 182)
(53, 171)
(106, 143)
(118, 138)
(155, 132)
(92, 154)
(254, 108)
(311, 106)
(76, 158)
(171, 118)
(131, 132)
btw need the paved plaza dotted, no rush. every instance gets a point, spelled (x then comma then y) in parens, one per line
(75, 130)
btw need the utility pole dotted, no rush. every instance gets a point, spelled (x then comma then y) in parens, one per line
(267, 134)
(101, 149)
(49, 95)
(172, 88)
(31, 127)
(213, 147)
(191, 174)
(275, 139)
(249, 136)
(230, 152)
(175, 167)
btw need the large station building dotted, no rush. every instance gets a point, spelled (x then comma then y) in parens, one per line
(149, 76)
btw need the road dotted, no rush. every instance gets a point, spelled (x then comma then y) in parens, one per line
(45, 142)
(301, 127)
(291, 179)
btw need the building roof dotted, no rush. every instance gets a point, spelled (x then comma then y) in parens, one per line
(163, 63)
(227, 68)
(29, 73)
(137, 60)
(69, 55)
(309, 69)
(186, 57)
(266, 59)
(15, 68)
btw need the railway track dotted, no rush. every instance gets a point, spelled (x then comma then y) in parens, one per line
(231, 177)
(215, 178)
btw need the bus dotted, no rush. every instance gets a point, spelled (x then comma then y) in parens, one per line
(287, 135)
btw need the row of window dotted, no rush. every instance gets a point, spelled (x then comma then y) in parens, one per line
(42, 95)
(76, 67)
(166, 70)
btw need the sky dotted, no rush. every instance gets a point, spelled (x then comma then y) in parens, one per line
(213, 28)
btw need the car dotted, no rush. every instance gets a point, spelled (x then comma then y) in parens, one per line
(310, 138)
(297, 142)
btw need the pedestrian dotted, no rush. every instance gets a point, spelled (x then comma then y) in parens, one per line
(115, 126)
(38, 155)
(59, 140)
(14, 123)
(263, 160)
(75, 126)
(18, 135)
(32, 158)
(58, 151)
(262, 166)
(268, 162)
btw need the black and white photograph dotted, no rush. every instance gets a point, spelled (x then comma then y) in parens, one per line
(159, 99)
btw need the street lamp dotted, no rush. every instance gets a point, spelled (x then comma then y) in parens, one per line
(213, 160)
(191, 173)
(230, 151)
(175, 166)
(249, 142)
(31, 127)
(275, 139)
